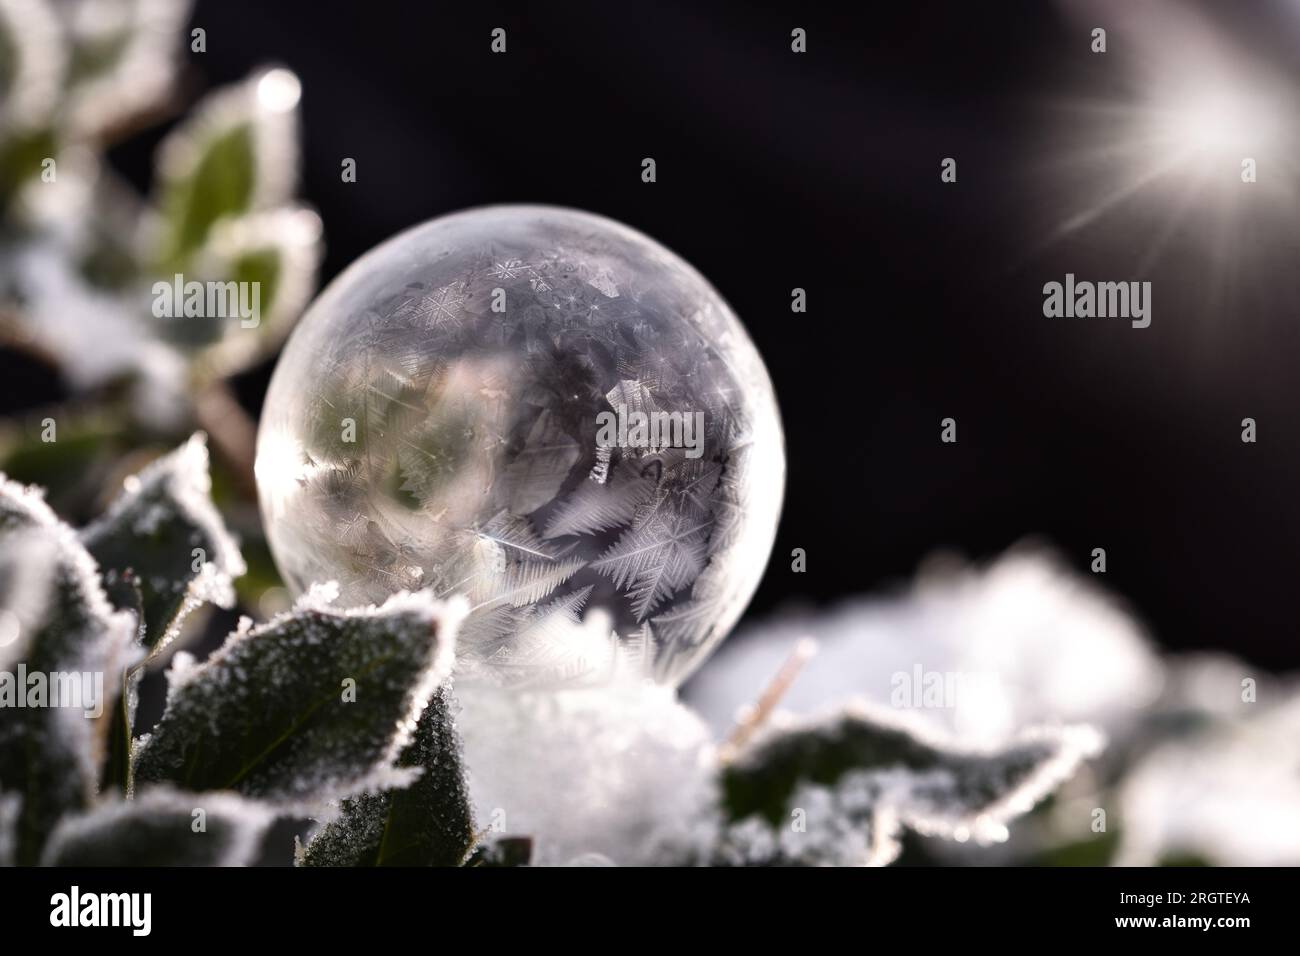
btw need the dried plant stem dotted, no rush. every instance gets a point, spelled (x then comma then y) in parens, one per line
(754, 715)
(232, 431)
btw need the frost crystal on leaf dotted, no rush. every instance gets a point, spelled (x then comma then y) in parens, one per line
(839, 790)
(427, 823)
(165, 530)
(164, 550)
(315, 705)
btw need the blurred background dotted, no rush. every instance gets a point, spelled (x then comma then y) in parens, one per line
(775, 170)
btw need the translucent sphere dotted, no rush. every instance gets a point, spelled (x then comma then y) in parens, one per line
(542, 410)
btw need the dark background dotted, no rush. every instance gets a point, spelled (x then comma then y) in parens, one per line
(821, 171)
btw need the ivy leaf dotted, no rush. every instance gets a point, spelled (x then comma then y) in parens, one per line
(428, 823)
(162, 827)
(237, 153)
(61, 633)
(856, 778)
(316, 705)
(166, 531)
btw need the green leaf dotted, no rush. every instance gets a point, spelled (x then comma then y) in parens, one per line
(237, 153)
(762, 779)
(165, 530)
(272, 255)
(221, 184)
(61, 631)
(162, 827)
(428, 823)
(315, 705)
(854, 779)
(21, 156)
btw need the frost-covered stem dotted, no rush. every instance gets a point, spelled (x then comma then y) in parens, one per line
(233, 434)
(753, 716)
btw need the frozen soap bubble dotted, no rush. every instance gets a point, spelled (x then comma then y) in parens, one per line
(545, 411)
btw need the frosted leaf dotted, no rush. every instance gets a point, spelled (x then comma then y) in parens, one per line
(165, 551)
(62, 311)
(427, 823)
(606, 770)
(862, 771)
(160, 827)
(154, 529)
(272, 714)
(847, 825)
(1019, 643)
(235, 153)
(183, 667)
(49, 753)
(280, 249)
(28, 564)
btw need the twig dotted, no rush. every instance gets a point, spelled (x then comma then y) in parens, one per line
(753, 716)
(233, 434)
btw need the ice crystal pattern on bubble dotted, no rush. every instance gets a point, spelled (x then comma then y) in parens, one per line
(473, 464)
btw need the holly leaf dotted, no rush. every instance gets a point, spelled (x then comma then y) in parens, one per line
(162, 827)
(428, 823)
(60, 637)
(840, 789)
(316, 705)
